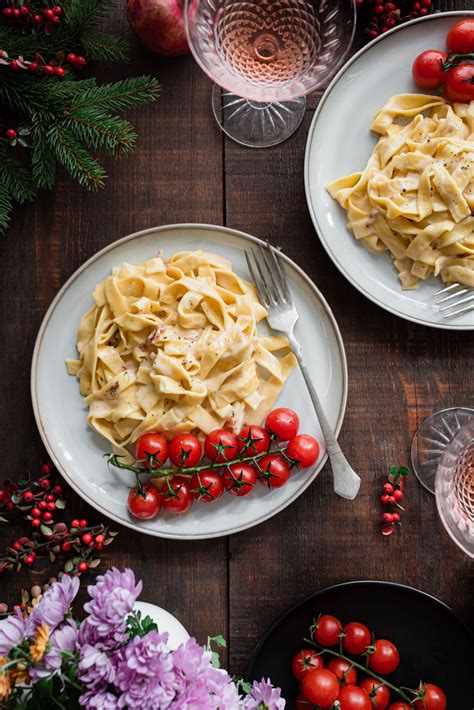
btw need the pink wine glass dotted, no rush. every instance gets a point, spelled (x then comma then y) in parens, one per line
(267, 55)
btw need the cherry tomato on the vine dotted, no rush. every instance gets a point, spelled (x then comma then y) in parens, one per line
(427, 69)
(305, 660)
(151, 444)
(400, 706)
(207, 486)
(220, 446)
(320, 687)
(144, 501)
(460, 38)
(460, 83)
(274, 471)
(179, 499)
(342, 669)
(185, 450)
(304, 449)
(327, 630)
(253, 440)
(357, 638)
(240, 479)
(434, 698)
(379, 693)
(351, 697)
(283, 423)
(385, 657)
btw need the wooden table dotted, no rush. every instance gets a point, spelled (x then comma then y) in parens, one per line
(184, 170)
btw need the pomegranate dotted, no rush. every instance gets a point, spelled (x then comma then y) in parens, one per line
(159, 24)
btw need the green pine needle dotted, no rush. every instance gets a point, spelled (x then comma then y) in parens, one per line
(101, 131)
(43, 162)
(6, 206)
(74, 158)
(119, 96)
(16, 179)
(106, 47)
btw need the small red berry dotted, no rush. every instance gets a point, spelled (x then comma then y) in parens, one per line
(36, 522)
(75, 523)
(33, 67)
(42, 504)
(378, 9)
(7, 11)
(387, 518)
(16, 545)
(99, 538)
(15, 66)
(35, 512)
(385, 499)
(66, 546)
(80, 62)
(390, 7)
(37, 19)
(57, 9)
(59, 71)
(83, 523)
(29, 559)
(10, 133)
(397, 494)
(16, 12)
(71, 58)
(425, 3)
(49, 70)
(9, 505)
(49, 497)
(28, 496)
(47, 515)
(100, 546)
(387, 529)
(416, 6)
(46, 468)
(424, 11)
(388, 488)
(24, 10)
(373, 34)
(48, 13)
(87, 538)
(82, 566)
(396, 517)
(45, 482)
(391, 22)
(52, 506)
(391, 499)
(57, 489)
(33, 554)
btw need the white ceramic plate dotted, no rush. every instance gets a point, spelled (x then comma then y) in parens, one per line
(61, 413)
(340, 143)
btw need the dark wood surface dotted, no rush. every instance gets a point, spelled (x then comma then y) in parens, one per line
(184, 170)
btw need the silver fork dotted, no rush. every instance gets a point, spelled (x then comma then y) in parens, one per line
(454, 300)
(268, 274)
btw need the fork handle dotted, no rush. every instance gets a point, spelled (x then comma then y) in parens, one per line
(346, 481)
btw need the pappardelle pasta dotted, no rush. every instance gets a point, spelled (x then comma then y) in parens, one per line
(172, 346)
(415, 197)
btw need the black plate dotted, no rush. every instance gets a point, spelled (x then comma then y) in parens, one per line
(434, 645)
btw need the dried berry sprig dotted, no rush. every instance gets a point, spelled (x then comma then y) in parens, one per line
(391, 497)
(383, 16)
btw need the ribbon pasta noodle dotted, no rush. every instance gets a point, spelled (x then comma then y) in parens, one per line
(173, 346)
(415, 197)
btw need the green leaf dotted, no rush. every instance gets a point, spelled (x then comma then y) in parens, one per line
(52, 556)
(68, 566)
(3, 520)
(60, 504)
(94, 563)
(46, 530)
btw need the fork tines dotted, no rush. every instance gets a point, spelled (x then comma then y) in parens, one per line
(268, 274)
(454, 300)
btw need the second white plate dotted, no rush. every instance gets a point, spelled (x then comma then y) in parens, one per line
(340, 142)
(78, 452)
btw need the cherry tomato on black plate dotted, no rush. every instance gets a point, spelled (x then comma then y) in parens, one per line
(283, 423)
(144, 501)
(305, 660)
(220, 446)
(304, 449)
(460, 83)
(240, 479)
(434, 698)
(460, 38)
(151, 444)
(351, 697)
(185, 450)
(342, 669)
(253, 440)
(357, 638)
(207, 486)
(427, 69)
(320, 687)
(328, 630)
(179, 499)
(274, 471)
(379, 693)
(385, 658)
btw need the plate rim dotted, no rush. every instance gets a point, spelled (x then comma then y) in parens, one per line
(39, 340)
(356, 582)
(309, 143)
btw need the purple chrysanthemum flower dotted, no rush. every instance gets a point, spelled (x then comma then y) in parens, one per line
(12, 630)
(95, 667)
(64, 638)
(263, 696)
(98, 700)
(190, 659)
(53, 605)
(111, 600)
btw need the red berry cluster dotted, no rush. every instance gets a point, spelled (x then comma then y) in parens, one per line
(37, 66)
(26, 16)
(385, 15)
(391, 497)
(78, 62)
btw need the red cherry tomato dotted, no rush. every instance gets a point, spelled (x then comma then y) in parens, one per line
(328, 630)
(144, 502)
(179, 501)
(357, 638)
(460, 83)
(253, 440)
(240, 479)
(220, 446)
(460, 38)
(379, 693)
(385, 657)
(434, 699)
(283, 423)
(304, 449)
(207, 486)
(185, 450)
(351, 697)
(274, 471)
(305, 660)
(151, 444)
(320, 687)
(342, 669)
(427, 69)
(400, 706)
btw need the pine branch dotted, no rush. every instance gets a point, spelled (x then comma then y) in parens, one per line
(100, 131)
(121, 95)
(107, 48)
(6, 206)
(43, 163)
(83, 15)
(74, 158)
(16, 179)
